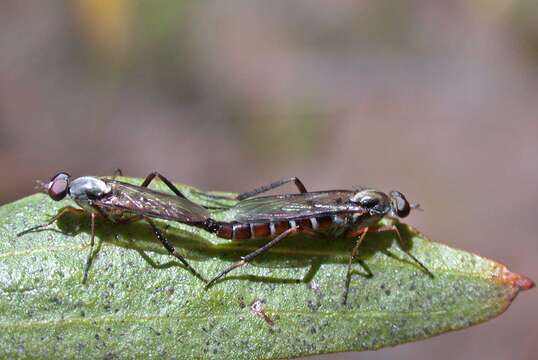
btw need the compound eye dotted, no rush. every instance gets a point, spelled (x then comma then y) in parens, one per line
(402, 205)
(58, 186)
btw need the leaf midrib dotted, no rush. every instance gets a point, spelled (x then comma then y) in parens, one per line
(318, 314)
(62, 248)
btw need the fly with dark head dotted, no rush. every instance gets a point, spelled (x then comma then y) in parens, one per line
(336, 212)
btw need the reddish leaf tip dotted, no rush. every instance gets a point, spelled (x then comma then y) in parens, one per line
(516, 280)
(524, 283)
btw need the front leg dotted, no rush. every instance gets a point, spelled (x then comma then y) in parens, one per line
(63, 211)
(360, 234)
(91, 255)
(402, 244)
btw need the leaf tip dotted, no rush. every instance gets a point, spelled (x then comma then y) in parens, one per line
(517, 280)
(524, 283)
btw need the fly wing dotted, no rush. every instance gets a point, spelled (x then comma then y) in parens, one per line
(289, 206)
(143, 201)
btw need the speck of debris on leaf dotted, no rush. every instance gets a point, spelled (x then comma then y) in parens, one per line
(258, 308)
(312, 305)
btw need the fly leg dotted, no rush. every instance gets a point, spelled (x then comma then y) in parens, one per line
(152, 263)
(117, 173)
(402, 244)
(62, 212)
(91, 254)
(242, 196)
(159, 235)
(168, 183)
(361, 233)
(247, 258)
(271, 186)
(262, 189)
(175, 190)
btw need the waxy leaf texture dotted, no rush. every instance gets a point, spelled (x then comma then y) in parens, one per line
(140, 302)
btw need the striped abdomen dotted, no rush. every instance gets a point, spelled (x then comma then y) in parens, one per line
(244, 231)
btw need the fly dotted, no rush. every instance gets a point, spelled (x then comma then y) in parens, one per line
(123, 203)
(336, 212)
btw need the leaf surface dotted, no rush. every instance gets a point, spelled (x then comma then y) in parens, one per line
(139, 302)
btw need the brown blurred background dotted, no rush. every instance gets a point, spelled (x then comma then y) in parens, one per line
(438, 99)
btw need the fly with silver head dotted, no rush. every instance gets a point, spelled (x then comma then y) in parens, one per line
(82, 190)
(120, 202)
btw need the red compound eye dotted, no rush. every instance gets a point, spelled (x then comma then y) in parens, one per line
(58, 186)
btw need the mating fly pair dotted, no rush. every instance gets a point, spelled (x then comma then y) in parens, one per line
(334, 212)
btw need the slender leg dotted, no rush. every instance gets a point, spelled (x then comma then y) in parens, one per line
(246, 259)
(362, 234)
(242, 196)
(89, 260)
(402, 245)
(54, 219)
(117, 173)
(271, 186)
(168, 183)
(159, 235)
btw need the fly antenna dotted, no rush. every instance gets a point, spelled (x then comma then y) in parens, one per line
(40, 186)
(416, 207)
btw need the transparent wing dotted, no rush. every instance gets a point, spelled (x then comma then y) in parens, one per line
(290, 206)
(143, 201)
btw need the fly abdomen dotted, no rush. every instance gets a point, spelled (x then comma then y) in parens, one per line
(260, 230)
(231, 231)
(246, 231)
(315, 223)
(280, 227)
(222, 230)
(241, 232)
(225, 231)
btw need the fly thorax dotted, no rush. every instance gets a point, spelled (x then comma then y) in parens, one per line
(340, 222)
(341, 219)
(375, 202)
(364, 219)
(357, 218)
(85, 189)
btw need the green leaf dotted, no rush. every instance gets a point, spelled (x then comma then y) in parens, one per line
(139, 302)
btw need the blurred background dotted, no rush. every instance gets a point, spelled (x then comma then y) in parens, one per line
(436, 99)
